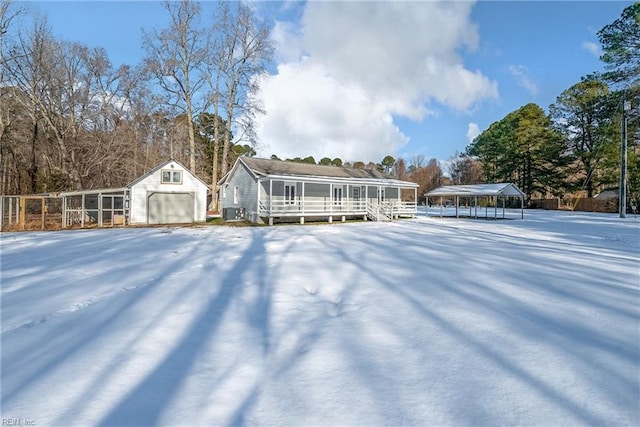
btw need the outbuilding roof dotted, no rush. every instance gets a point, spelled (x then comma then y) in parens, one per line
(500, 189)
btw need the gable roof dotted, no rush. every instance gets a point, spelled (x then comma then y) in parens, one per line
(499, 189)
(279, 169)
(160, 166)
(266, 167)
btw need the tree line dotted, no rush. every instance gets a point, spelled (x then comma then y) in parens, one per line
(575, 147)
(69, 120)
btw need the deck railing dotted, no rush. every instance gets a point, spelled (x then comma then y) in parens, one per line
(384, 211)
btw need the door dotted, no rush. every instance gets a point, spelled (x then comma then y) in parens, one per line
(337, 196)
(289, 194)
(170, 208)
(356, 198)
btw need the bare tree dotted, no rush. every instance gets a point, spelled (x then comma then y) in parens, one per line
(464, 169)
(175, 58)
(246, 50)
(238, 47)
(416, 162)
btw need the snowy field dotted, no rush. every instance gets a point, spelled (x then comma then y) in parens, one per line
(418, 322)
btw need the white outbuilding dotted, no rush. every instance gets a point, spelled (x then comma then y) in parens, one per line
(167, 194)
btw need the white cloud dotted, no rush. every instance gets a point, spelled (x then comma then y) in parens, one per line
(311, 113)
(349, 67)
(592, 48)
(523, 78)
(473, 130)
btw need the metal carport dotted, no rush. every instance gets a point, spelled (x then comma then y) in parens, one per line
(492, 192)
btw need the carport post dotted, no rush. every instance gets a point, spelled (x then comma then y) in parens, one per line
(469, 199)
(475, 203)
(521, 207)
(457, 202)
(495, 207)
(503, 203)
(426, 205)
(440, 206)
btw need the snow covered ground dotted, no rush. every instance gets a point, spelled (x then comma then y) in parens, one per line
(417, 322)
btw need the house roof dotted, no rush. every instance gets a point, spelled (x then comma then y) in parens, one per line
(160, 166)
(500, 189)
(265, 167)
(262, 168)
(612, 193)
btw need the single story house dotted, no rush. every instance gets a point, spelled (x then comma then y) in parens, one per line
(264, 190)
(167, 194)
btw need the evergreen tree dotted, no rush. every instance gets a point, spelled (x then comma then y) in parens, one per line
(584, 115)
(522, 148)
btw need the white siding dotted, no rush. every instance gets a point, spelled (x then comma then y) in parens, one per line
(141, 190)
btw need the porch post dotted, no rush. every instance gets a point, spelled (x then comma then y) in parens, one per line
(503, 203)
(83, 212)
(426, 210)
(347, 203)
(270, 198)
(302, 200)
(495, 207)
(521, 207)
(330, 200)
(440, 206)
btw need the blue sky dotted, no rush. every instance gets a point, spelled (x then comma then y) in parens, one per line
(361, 80)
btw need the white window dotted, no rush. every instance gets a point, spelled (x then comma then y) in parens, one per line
(236, 192)
(171, 177)
(337, 195)
(224, 192)
(356, 193)
(289, 194)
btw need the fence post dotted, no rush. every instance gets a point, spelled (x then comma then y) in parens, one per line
(23, 212)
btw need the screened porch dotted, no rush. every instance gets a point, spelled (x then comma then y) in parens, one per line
(290, 197)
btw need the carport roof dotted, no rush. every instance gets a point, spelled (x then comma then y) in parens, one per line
(500, 189)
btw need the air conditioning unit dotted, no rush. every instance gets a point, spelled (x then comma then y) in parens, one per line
(233, 214)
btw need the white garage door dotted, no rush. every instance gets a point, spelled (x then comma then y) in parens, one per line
(170, 208)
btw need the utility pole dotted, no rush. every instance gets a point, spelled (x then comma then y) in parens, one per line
(622, 197)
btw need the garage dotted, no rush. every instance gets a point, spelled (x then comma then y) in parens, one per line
(168, 194)
(170, 208)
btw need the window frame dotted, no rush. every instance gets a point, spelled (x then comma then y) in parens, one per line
(172, 174)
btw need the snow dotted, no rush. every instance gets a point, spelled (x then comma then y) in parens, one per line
(417, 322)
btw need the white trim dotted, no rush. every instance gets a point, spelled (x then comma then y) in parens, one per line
(328, 180)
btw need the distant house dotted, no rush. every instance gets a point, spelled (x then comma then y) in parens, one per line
(612, 193)
(262, 190)
(167, 194)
